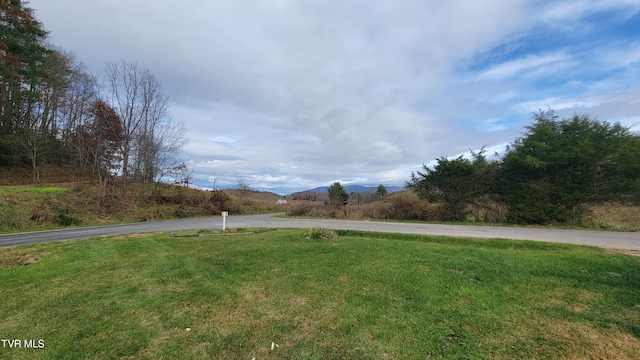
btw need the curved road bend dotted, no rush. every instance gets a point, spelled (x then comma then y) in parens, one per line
(615, 240)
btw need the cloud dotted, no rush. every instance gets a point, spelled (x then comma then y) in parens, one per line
(571, 12)
(532, 65)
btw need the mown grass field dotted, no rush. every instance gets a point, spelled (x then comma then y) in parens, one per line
(276, 295)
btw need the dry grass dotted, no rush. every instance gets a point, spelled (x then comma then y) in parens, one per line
(403, 205)
(581, 340)
(571, 340)
(253, 195)
(76, 202)
(407, 206)
(20, 257)
(22, 175)
(616, 217)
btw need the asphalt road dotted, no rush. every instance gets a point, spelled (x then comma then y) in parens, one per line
(614, 240)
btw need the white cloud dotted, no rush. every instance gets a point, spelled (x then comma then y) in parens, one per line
(558, 104)
(532, 65)
(570, 12)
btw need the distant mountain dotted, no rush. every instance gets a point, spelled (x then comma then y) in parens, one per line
(359, 188)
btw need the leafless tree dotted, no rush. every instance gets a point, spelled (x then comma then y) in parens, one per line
(75, 111)
(214, 178)
(243, 186)
(137, 96)
(162, 155)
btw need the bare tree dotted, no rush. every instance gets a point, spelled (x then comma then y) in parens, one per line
(243, 186)
(215, 177)
(162, 155)
(124, 80)
(33, 146)
(76, 105)
(140, 102)
(76, 111)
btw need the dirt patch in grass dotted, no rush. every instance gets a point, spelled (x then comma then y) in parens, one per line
(624, 252)
(11, 259)
(259, 314)
(584, 341)
(213, 233)
(578, 340)
(131, 236)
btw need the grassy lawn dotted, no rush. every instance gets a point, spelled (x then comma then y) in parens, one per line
(276, 295)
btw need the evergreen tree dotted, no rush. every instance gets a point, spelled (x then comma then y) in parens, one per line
(454, 182)
(338, 196)
(550, 173)
(21, 54)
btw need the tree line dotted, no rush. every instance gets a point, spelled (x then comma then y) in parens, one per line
(54, 111)
(549, 175)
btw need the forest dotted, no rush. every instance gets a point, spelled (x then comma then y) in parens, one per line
(54, 111)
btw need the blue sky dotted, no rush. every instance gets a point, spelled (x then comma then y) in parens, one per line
(289, 95)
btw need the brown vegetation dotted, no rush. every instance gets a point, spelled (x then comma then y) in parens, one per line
(406, 206)
(83, 205)
(74, 201)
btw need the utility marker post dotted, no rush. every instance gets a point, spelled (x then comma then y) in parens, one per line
(224, 219)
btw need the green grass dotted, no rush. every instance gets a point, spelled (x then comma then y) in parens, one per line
(356, 296)
(29, 208)
(32, 190)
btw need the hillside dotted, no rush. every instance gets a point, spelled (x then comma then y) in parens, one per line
(68, 199)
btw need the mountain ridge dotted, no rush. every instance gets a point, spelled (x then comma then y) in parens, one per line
(357, 188)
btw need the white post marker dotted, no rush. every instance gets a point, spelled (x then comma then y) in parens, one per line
(224, 219)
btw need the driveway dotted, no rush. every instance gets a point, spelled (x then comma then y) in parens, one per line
(629, 241)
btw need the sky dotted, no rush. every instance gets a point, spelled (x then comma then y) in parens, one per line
(289, 95)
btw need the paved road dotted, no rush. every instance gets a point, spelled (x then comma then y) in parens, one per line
(615, 240)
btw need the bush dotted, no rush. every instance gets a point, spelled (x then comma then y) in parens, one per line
(66, 220)
(219, 201)
(301, 210)
(486, 209)
(317, 233)
(414, 209)
(39, 213)
(184, 212)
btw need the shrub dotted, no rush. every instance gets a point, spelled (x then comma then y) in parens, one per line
(316, 233)
(184, 211)
(301, 210)
(376, 210)
(66, 220)
(39, 213)
(414, 209)
(219, 201)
